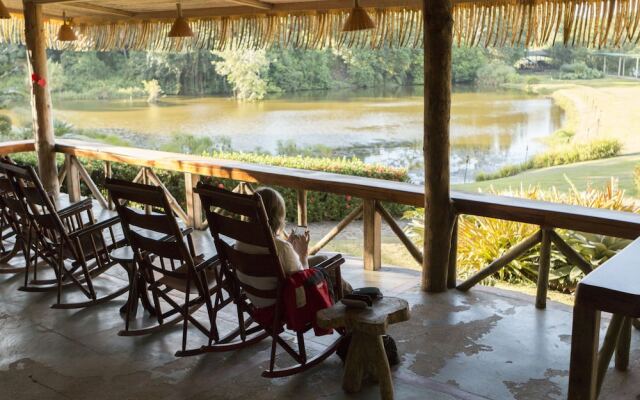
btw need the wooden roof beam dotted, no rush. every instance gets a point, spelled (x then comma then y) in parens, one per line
(80, 4)
(102, 9)
(56, 1)
(254, 3)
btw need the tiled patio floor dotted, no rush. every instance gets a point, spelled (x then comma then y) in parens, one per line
(488, 343)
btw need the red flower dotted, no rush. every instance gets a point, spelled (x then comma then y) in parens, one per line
(348, 197)
(41, 82)
(34, 77)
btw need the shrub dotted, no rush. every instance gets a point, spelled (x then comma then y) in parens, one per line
(533, 80)
(321, 206)
(482, 240)
(578, 70)
(495, 74)
(5, 125)
(561, 155)
(636, 177)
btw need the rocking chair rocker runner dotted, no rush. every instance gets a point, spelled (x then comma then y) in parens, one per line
(239, 217)
(168, 263)
(69, 241)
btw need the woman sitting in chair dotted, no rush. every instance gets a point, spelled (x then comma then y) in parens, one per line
(292, 250)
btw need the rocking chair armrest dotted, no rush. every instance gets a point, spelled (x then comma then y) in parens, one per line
(185, 232)
(332, 263)
(98, 226)
(332, 266)
(75, 208)
(207, 263)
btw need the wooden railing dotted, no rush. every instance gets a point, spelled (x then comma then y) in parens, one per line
(548, 216)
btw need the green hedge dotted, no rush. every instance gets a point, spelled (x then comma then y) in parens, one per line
(567, 154)
(321, 206)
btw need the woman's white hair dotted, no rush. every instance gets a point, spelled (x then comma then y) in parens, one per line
(275, 207)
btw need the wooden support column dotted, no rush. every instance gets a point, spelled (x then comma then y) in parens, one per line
(73, 179)
(194, 206)
(438, 38)
(372, 232)
(36, 42)
(302, 207)
(619, 66)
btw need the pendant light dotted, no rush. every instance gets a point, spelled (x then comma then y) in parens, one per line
(66, 33)
(4, 13)
(358, 20)
(180, 27)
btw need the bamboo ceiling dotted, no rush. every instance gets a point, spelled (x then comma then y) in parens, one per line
(220, 24)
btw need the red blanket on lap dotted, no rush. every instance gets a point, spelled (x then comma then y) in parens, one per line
(305, 293)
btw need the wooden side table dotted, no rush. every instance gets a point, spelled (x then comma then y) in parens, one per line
(137, 288)
(366, 351)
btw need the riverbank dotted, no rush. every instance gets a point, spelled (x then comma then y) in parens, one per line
(595, 173)
(594, 109)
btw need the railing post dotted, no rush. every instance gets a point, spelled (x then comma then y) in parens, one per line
(543, 269)
(372, 232)
(108, 173)
(194, 206)
(452, 273)
(302, 207)
(145, 181)
(73, 179)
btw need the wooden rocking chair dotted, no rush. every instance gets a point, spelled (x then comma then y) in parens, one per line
(10, 231)
(70, 241)
(168, 263)
(14, 200)
(238, 217)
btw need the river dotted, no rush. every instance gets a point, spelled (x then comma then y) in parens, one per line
(488, 129)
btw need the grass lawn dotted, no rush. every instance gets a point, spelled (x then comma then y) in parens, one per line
(595, 173)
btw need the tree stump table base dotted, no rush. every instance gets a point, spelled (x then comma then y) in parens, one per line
(366, 354)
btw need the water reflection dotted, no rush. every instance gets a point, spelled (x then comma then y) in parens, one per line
(488, 129)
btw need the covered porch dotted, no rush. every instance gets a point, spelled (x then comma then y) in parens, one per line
(488, 343)
(483, 343)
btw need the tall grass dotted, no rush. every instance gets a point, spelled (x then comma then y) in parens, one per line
(482, 240)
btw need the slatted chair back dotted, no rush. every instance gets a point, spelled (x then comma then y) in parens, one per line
(10, 204)
(233, 218)
(155, 237)
(11, 219)
(37, 204)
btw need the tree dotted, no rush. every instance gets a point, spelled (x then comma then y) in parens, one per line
(245, 71)
(466, 61)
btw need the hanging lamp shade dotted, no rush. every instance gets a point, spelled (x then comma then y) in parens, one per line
(358, 20)
(180, 27)
(4, 13)
(66, 33)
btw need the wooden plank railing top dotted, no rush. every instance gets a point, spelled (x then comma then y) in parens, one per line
(16, 146)
(379, 189)
(552, 215)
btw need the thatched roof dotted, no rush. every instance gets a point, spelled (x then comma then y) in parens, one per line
(218, 24)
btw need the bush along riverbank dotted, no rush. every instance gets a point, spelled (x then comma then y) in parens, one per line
(482, 240)
(321, 206)
(559, 155)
